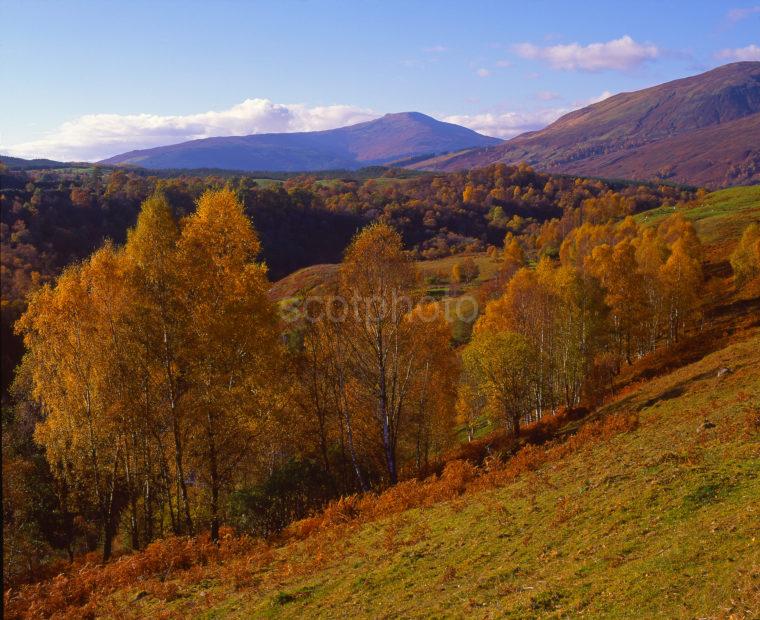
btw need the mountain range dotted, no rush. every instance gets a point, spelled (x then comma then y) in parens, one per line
(386, 140)
(701, 130)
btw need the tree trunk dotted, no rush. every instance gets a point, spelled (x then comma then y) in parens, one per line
(352, 452)
(214, 475)
(107, 541)
(181, 475)
(390, 456)
(173, 395)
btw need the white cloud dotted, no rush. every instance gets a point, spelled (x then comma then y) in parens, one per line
(751, 52)
(507, 124)
(737, 15)
(510, 124)
(605, 95)
(621, 54)
(503, 63)
(97, 136)
(435, 49)
(482, 72)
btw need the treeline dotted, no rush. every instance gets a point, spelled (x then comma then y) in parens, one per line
(51, 218)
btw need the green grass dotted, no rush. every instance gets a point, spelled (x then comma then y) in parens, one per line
(658, 522)
(720, 218)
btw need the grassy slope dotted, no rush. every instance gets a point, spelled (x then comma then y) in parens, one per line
(659, 522)
(488, 266)
(723, 215)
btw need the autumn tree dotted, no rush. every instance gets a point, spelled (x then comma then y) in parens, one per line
(527, 307)
(465, 270)
(70, 361)
(375, 278)
(681, 277)
(387, 352)
(560, 310)
(512, 259)
(502, 367)
(581, 327)
(470, 404)
(678, 228)
(325, 389)
(745, 259)
(233, 338)
(651, 254)
(615, 268)
(161, 326)
(432, 394)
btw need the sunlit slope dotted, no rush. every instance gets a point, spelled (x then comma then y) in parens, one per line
(660, 521)
(700, 130)
(720, 218)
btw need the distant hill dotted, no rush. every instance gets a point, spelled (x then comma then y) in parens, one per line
(393, 137)
(701, 130)
(18, 163)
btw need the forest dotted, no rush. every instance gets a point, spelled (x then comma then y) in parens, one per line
(51, 218)
(159, 391)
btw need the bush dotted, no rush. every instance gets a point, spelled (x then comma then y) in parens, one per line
(291, 492)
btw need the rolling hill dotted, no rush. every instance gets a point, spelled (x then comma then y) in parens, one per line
(18, 163)
(393, 137)
(700, 130)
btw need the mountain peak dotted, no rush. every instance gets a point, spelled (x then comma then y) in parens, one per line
(390, 138)
(416, 116)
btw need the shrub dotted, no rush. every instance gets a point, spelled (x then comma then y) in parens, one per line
(292, 491)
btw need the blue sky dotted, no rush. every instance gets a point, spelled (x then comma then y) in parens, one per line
(84, 80)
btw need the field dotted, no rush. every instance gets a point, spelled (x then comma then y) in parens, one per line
(435, 275)
(660, 521)
(487, 267)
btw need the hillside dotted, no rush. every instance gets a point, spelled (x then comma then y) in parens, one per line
(644, 507)
(18, 163)
(657, 521)
(719, 220)
(656, 516)
(387, 139)
(655, 133)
